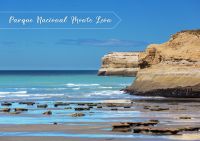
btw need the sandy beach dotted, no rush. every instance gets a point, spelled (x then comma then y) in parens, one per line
(172, 113)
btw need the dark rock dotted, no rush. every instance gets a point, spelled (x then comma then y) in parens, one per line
(157, 106)
(128, 126)
(81, 108)
(91, 104)
(15, 112)
(147, 107)
(177, 92)
(148, 123)
(111, 105)
(118, 105)
(163, 130)
(173, 103)
(5, 110)
(102, 73)
(121, 127)
(42, 106)
(99, 107)
(55, 123)
(189, 128)
(6, 104)
(114, 109)
(68, 108)
(127, 106)
(20, 109)
(77, 115)
(156, 130)
(184, 117)
(159, 109)
(60, 104)
(182, 109)
(154, 120)
(81, 104)
(27, 103)
(47, 113)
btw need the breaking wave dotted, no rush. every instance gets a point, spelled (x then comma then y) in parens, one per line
(17, 92)
(80, 85)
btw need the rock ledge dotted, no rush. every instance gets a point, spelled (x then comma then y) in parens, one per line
(120, 63)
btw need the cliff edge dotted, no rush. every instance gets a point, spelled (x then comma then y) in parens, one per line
(171, 69)
(120, 63)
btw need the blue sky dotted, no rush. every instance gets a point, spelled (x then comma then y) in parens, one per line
(143, 22)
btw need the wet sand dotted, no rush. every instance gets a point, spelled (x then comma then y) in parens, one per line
(72, 133)
(169, 112)
(71, 139)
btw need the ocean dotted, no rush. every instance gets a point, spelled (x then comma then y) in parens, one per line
(97, 99)
(49, 87)
(78, 85)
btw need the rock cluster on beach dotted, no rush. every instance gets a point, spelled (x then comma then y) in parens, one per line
(120, 63)
(171, 69)
(140, 116)
(149, 127)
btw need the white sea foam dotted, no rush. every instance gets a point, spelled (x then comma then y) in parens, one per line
(39, 97)
(17, 92)
(49, 88)
(124, 84)
(22, 95)
(105, 87)
(80, 85)
(105, 93)
(76, 88)
(58, 88)
(33, 88)
(49, 95)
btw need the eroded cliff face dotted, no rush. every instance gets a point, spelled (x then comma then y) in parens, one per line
(170, 69)
(182, 48)
(120, 63)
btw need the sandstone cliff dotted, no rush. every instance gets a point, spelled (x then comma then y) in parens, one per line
(120, 63)
(171, 69)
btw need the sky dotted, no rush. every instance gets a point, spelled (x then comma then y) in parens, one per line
(142, 22)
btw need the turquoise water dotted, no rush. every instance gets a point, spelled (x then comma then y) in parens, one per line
(61, 85)
(48, 87)
(72, 87)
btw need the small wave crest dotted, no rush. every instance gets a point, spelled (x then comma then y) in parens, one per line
(76, 88)
(105, 87)
(80, 85)
(17, 92)
(105, 93)
(49, 88)
(50, 95)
